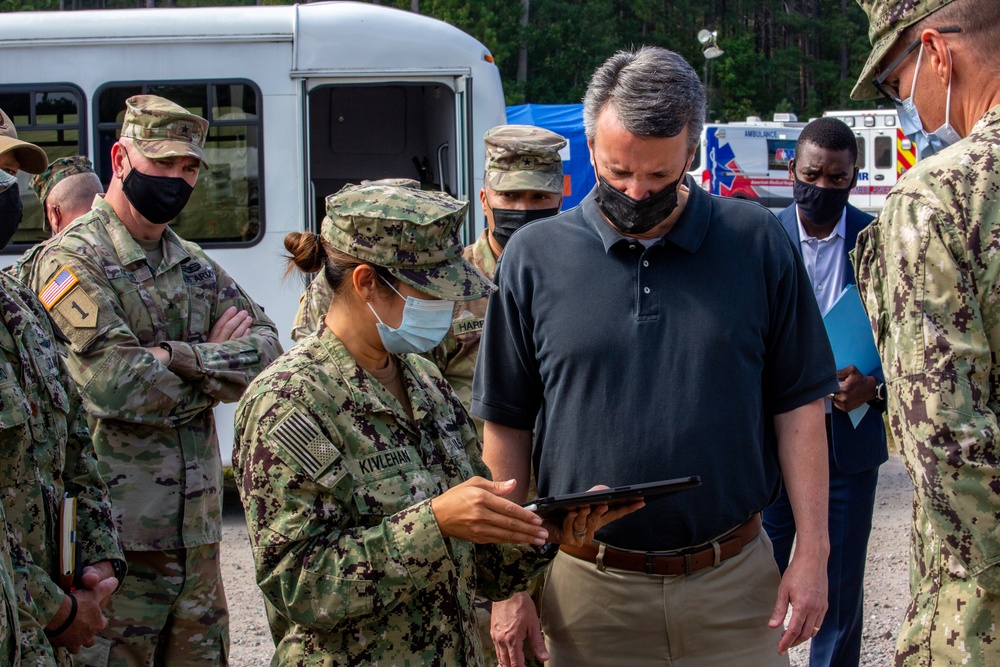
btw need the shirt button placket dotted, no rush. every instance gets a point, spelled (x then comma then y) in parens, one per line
(645, 292)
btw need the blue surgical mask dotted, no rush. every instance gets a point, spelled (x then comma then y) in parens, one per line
(425, 324)
(926, 143)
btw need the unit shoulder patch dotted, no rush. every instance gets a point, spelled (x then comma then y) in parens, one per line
(78, 309)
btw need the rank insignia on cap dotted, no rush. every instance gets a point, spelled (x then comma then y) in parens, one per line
(57, 288)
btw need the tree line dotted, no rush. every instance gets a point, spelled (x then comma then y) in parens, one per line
(799, 56)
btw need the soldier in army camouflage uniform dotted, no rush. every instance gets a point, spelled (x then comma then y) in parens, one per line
(369, 511)
(66, 190)
(523, 183)
(48, 454)
(928, 270)
(157, 335)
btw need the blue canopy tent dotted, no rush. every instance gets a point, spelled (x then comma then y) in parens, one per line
(567, 120)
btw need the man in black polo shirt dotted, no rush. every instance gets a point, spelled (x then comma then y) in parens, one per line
(656, 331)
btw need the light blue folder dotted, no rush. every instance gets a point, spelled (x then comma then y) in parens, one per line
(850, 334)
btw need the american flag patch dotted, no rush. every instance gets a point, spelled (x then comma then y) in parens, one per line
(57, 288)
(301, 438)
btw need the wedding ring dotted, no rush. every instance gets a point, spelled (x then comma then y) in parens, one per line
(580, 534)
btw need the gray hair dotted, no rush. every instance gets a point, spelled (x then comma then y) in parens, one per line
(653, 91)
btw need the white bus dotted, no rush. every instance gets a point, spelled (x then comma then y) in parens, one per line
(301, 100)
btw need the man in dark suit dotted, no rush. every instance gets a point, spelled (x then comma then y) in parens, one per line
(824, 228)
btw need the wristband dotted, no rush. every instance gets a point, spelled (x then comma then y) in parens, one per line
(69, 619)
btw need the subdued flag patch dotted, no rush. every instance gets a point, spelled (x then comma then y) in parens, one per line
(302, 439)
(57, 288)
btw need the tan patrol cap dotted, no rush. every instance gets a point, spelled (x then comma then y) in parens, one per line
(159, 128)
(524, 157)
(31, 158)
(887, 21)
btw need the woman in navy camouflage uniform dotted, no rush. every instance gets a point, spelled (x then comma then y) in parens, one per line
(372, 519)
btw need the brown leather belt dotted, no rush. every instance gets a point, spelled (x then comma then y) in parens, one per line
(684, 561)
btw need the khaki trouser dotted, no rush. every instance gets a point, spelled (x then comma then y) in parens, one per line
(716, 616)
(171, 611)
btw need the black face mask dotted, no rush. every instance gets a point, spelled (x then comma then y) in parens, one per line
(159, 199)
(506, 221)
(820, 206)
(10, 214)
(632, 216)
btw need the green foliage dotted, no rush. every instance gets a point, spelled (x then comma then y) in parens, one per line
(780, 55)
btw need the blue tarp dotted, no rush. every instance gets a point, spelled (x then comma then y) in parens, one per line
(567, 120)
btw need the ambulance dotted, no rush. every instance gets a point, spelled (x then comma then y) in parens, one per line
(884, 154)
(748, 160)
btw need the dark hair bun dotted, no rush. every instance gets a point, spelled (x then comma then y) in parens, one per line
(306, 251)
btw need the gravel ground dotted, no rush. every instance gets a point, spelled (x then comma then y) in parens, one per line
(885, 584)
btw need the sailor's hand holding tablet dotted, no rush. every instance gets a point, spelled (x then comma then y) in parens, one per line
(476, 511)
(579, 524)
(572, 511)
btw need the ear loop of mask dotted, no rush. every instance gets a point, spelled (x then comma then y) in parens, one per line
(368, 299)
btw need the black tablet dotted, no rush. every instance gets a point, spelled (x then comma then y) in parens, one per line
(621, 495)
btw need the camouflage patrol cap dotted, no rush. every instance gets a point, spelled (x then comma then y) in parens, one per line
(400, 182)
(6, 180)
(30, 157)
(412, 233)
(524, 157)
(64, 167)
(887, 21)
(159, 128)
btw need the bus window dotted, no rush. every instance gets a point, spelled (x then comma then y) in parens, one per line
(49, 116)
(883, 152)
(227, 206)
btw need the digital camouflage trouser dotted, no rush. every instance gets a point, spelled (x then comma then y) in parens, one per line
(950, 619)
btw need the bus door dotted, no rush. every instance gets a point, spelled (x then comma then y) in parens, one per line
(368, 129)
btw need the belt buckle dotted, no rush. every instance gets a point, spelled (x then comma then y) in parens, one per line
(649, 563)
(687, 564)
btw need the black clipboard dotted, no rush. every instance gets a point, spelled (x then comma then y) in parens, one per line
(553, 506)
